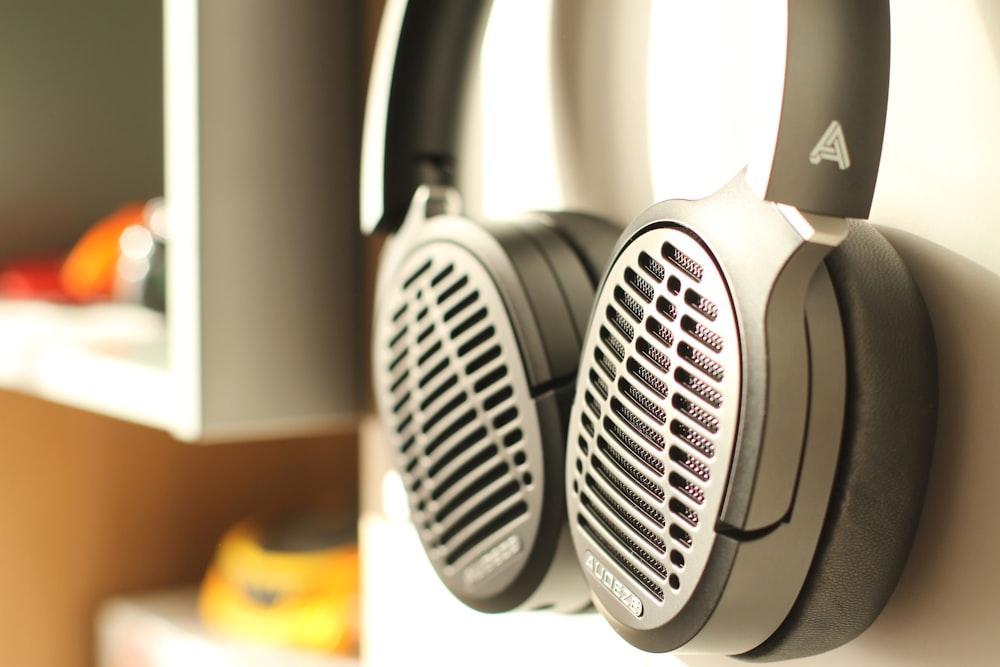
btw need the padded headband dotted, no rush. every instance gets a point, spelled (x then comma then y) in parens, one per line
(829, 139)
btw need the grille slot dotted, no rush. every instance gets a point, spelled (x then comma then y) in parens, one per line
(653, 355)
(400, 358)
(699, 388)
(429, 376)
(653, 383)
(425, 334)
(486, 357)
(498, 397)
(684, 512)
(471, 321)
(398, 337)
(691, 437)
(594, 406)
(614, 345)
(700, 416)
(689, 463)
(606, 364)
(640, 285)
(660, 331)
(702, 334)
(701, 361)
(600, 385)
(652, 267)
(398, 382)
(477, 340)
(452, 289)
(426, 356)
(702, 304)
(681, 536)
(688, 488)
(683, 261)
(491, 378)
(666, 308)
(400, 312)
(442, 274)
(401, 403)
(513, 437)
(621, 323)
(478, 510)
(631, 306)
(416, 274)
(641, 401)
(460, 306)
(504, 418)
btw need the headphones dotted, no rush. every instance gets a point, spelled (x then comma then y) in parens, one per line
(723, 438)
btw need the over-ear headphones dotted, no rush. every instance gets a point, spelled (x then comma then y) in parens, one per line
(755, 407)
(753, 402)
(477, 331)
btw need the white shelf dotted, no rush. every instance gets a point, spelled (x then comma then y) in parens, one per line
(247, 119)
(162, 629)
(110, 359)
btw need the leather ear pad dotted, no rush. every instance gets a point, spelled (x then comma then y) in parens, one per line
(889, 432)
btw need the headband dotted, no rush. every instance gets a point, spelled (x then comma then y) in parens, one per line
(830, 132)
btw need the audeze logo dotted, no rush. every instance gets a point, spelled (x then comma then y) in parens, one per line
(832, 146)
(612, 583)
(492, 560)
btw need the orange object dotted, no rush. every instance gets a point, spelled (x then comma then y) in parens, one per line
(89, 270)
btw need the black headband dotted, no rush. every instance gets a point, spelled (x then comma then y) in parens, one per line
(830, 133)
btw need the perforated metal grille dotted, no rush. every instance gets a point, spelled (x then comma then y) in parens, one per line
(448, 383)
(654, 420)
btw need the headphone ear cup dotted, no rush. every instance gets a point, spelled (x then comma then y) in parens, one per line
(674, 363)
(885, 457)
(476, 343)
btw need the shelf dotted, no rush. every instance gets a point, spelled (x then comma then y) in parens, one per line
(161, 629)
(110, 359)
(247, 120)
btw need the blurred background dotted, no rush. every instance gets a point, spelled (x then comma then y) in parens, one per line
(158, 394)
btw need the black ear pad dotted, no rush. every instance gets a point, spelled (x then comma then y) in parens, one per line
(885, 457)
(477, 336)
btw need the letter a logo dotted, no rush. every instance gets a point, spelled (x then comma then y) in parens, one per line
(832, 146)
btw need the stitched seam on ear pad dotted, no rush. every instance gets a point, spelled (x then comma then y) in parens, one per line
(890, 422)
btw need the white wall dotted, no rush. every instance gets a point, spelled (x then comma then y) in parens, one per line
(938, 197)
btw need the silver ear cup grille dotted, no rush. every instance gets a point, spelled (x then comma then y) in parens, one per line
(653, 424)
(456, 403)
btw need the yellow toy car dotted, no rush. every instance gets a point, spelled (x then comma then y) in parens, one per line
(289, 580)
